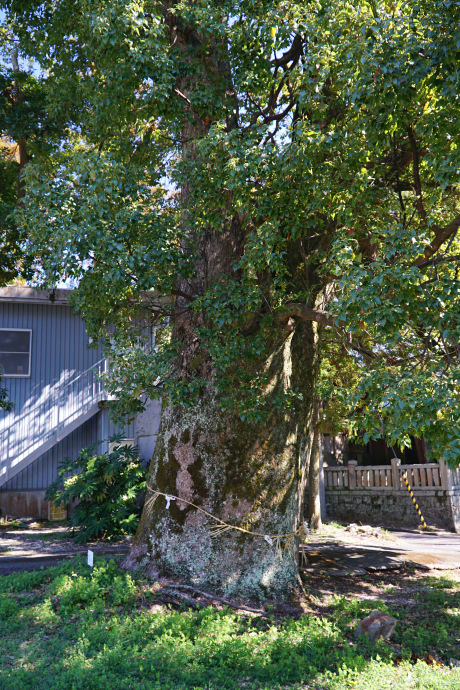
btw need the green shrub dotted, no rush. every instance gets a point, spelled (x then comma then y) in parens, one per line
(5, 404)
(106, 487)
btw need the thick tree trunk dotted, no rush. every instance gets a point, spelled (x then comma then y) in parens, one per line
(248, 475)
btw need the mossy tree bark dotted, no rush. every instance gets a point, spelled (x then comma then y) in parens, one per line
(249, 475)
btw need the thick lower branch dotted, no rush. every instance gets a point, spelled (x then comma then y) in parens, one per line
(305, 313)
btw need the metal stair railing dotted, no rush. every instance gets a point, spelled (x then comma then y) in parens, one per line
(47, 422)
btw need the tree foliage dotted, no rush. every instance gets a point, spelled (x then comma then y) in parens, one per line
(5, 404)
(329, 132)
(25, 131)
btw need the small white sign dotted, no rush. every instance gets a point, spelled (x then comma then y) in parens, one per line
(90, 558)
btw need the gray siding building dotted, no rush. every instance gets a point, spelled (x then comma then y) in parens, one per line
(60, 406)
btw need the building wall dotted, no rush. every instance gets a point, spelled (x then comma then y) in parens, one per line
(43, 471)
(146, 426)
(60, 351)
(24, 495)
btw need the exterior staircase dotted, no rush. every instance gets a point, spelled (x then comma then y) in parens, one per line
(38, 429)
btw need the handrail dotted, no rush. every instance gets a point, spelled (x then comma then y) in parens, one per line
(101, 361)
(54, 392)
(46, 422)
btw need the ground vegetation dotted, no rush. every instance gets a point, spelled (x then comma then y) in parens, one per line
(72, 625)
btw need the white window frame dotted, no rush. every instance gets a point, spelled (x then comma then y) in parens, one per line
(19, 376)
(121, 444)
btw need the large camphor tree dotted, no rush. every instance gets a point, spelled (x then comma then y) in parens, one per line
(268, 184)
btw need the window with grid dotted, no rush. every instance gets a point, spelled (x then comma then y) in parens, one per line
(15, 351)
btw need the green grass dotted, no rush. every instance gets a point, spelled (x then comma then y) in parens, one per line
(72, 627)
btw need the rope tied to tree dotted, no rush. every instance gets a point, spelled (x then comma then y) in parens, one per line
(282, 542)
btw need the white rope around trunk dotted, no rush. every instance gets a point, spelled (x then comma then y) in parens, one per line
(221, 526)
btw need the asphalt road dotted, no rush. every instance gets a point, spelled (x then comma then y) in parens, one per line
(430, 542)
(12, 564)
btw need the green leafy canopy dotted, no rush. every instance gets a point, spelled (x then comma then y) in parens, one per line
(328, 130)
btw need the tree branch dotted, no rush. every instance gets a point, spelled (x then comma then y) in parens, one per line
(441, 235)
(18, 97)
(305, 313)
(439, 260)
(291, 55)
(416, 171)
(183, 96)
(179, 293)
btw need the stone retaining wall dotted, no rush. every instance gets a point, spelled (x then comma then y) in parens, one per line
(455, 503)
(377, 494)
(440, 508)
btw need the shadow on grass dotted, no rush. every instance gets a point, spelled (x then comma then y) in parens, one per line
(185, 650)
(427, 607)
(71, 627)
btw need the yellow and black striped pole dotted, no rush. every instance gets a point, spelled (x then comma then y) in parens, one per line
(404, 476)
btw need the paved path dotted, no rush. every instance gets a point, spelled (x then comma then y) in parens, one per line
(345, 554)
(432, 549)
(21, 563)
(439, 542)
(31, 549)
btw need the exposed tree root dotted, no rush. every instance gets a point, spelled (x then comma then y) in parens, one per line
(212, 597)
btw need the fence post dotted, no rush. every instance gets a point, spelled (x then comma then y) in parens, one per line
(446, 482)
(352, 474)
(395, 477)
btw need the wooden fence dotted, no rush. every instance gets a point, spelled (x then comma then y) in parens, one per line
(389, 477)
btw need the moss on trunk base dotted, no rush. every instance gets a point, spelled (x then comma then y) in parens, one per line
(249, 475)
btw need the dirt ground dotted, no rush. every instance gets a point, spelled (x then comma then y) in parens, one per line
(399, 586)
(28, 545)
